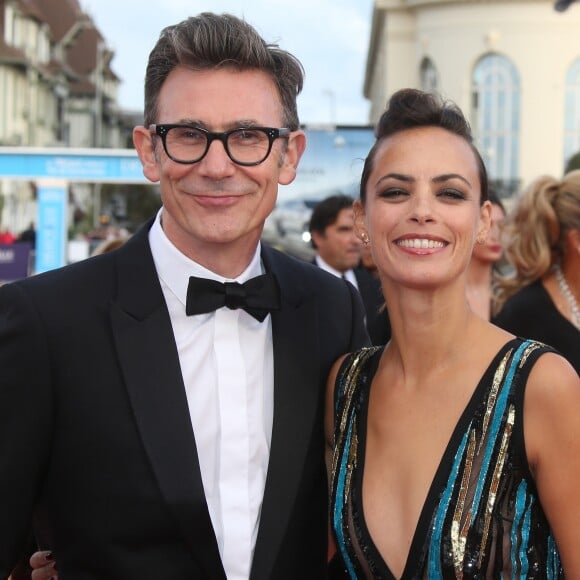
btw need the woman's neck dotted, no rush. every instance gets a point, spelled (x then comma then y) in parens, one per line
(478, 289)
(428, 328)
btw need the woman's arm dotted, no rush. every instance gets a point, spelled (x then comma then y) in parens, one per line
(552, 437)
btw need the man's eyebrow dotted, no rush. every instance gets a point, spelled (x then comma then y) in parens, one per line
(238, 123)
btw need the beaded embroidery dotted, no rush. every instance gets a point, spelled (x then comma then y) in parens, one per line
(486, 519)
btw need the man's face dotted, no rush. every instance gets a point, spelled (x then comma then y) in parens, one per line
(214, 206)
(338, 246)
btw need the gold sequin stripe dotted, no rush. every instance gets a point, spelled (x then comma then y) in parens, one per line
(497, 473)
(528, 351)
(459, 538)
(491, 400)
(350, 379)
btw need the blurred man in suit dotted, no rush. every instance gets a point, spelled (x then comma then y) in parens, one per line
(338, 251)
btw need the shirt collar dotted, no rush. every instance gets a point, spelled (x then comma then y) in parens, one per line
(174, 268)
(327, 268)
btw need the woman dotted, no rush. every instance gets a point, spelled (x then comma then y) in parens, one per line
(437, 469)
(480, 274)
(541, 298)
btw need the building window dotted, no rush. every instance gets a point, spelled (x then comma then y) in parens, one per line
(572, 112)
(496, 119)
(429, 76)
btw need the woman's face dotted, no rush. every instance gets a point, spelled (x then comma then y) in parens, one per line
(422, 211)
(492, 250)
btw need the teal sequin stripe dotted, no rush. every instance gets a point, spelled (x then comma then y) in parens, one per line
(345, 416)
(498, 418)
(521, 530)
(435, 547)
(340, 501)
(554, 564)
(493, 440)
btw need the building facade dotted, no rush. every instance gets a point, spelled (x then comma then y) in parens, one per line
(513, 66)
(57, 89)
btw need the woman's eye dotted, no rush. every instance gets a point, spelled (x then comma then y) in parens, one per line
(453, 194)
(393, 193)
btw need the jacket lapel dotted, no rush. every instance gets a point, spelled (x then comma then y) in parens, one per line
(296, 362)
(150, 366)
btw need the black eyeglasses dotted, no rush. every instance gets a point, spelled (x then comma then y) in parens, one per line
(244, 146)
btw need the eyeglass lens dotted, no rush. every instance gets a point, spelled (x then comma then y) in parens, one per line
(243, 145)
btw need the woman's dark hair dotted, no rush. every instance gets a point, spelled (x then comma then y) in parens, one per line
(495, 199)
(412, 108)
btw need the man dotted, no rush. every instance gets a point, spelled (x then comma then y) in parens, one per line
(338, 251)
(156, 425)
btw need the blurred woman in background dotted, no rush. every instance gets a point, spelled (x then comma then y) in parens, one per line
(486, 254)
(541, 298)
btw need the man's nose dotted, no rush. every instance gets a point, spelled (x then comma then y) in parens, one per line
(216, 161)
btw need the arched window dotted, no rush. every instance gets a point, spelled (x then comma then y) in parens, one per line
(429, 76)
(572, 112)
(496, 118)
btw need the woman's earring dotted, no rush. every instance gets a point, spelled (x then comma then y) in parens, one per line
(365, 239)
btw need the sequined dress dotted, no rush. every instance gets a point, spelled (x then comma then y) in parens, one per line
(482, 517)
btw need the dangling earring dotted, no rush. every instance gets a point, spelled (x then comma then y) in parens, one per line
(365, 239)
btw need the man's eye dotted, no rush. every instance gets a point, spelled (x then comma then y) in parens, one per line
(247, 136)
(186, 134)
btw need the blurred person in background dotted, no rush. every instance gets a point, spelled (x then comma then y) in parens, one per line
(110, 244)
(486, 254)
(6, 236)
(338, 251)
(540, 298)
(28, 235)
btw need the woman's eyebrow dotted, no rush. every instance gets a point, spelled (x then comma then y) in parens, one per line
(448, 176)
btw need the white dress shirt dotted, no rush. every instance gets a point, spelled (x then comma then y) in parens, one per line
(348, 275)
(227, 364)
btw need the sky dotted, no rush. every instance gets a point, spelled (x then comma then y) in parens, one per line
(330, 38)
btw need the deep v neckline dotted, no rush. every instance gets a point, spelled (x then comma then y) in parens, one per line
(414, 561)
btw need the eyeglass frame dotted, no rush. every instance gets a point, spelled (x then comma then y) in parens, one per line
(273, 133)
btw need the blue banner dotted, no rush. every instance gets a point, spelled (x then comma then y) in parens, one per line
(51, 234)
(73, 164)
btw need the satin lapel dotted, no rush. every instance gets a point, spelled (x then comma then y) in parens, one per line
(296, 394)
(150, 365)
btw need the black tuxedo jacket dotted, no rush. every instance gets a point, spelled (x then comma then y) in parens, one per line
(96, 441)
(377, 318)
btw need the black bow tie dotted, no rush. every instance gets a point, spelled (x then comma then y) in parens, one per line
(258, 296)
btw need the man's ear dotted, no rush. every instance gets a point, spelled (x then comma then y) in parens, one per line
(143, 141)
(360, 227)
(294, 150)
(484, 222)
(316, 238)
